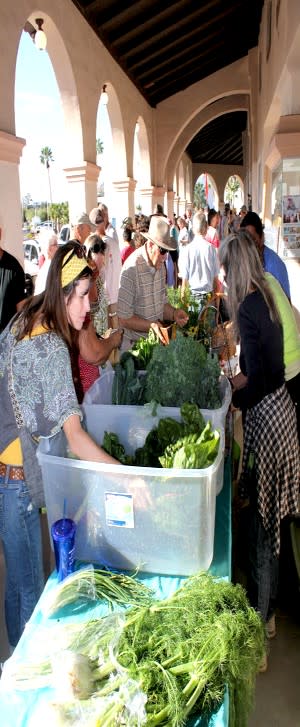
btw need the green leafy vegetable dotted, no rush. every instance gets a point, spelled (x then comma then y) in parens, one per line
(193, 451)
(112, 446)
(192, 418)
(183, 372)
(190, 444)
(128, 386)
(181, 652)
(143, 348)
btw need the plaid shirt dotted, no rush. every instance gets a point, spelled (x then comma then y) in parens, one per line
(142, 291)
(271, 435)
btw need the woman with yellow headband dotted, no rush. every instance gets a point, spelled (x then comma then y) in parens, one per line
(37, 393)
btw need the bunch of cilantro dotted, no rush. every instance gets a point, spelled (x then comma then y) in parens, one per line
(183, 371)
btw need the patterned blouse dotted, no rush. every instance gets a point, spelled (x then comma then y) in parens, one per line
(42, 381)
(99, 314)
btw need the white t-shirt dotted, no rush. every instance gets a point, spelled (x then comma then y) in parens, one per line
(113, 265)
(41, 278)
(200, 265)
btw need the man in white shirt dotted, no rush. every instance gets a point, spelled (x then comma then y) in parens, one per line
(200, 266)
(49, 245)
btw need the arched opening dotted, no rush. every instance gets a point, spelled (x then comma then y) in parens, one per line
(206, 192)
(112, 154)
(47, 116)
(141, 168)
(234, 192)
(76, 154)
(104, 152)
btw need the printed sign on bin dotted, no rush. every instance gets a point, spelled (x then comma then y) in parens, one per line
(119, 510)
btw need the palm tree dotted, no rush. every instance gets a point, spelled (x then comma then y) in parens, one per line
(46, 157)
(232, 187)
(99, 146)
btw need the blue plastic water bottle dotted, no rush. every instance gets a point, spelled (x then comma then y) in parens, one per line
(63, 536)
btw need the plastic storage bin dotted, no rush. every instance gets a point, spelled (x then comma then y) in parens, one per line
(101, 393)
(157, 520)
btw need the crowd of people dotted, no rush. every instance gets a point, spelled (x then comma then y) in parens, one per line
(95, 296)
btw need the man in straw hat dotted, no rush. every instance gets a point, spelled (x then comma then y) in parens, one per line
(142, 301)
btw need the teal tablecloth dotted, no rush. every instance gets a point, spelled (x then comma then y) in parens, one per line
(18, 708)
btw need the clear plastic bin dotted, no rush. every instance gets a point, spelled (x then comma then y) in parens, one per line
(101, 393)
(157, 520)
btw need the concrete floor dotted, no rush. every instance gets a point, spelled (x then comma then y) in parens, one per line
(278, 690)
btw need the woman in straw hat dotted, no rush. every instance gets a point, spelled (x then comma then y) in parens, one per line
(37, 395)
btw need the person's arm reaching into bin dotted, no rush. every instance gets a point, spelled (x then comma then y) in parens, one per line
(82, 445)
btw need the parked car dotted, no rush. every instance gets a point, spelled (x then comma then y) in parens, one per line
(48, 225)
(32, 253)
(64, 234)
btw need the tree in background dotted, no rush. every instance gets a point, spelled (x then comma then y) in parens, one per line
(231, 189)
(59, 214)
(99, 151)
(199, 195)
(46, 157)
(99, 146)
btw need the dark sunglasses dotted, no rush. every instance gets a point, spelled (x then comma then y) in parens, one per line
(79, 251)
(99, 219)
(98, 248)
(162, 250)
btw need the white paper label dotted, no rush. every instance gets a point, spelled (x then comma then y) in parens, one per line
(119, 510)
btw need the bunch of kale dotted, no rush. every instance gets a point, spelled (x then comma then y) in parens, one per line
(183, 371)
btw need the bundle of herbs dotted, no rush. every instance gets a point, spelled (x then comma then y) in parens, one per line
(179, 653)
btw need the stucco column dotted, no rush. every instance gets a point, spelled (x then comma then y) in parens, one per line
(11, 148)
(170, 203)
(82, 188)
(158, 196)
(146, 196)
(181, 206)
(176, 205)
(123, 202)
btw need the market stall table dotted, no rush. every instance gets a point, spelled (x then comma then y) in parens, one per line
(18, 708)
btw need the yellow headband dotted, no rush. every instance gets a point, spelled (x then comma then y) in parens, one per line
(72, 266)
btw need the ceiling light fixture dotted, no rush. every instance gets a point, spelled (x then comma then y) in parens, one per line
(40, 37)
(104, 95)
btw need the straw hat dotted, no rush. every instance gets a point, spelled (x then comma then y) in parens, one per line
(159, 232)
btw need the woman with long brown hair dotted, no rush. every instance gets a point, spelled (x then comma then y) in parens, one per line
(271, 468)
(38, 397)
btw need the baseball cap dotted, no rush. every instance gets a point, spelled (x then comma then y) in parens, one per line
(83, 219)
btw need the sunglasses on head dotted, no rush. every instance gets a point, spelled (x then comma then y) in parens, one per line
(79, 251)
(162, 250)
(98, 248)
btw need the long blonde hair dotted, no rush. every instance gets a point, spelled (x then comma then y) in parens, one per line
(244, 273)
